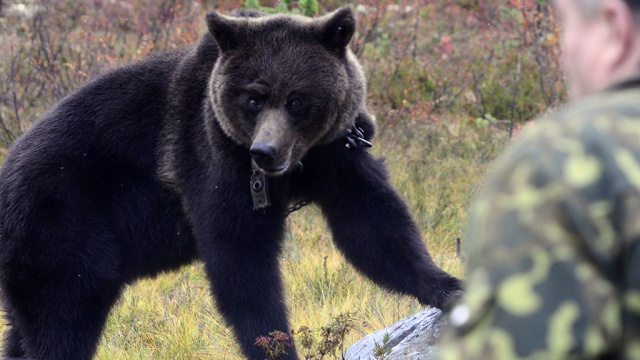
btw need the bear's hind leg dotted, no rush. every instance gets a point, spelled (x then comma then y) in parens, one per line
(62, 324)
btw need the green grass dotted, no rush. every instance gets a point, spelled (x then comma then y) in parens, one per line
(435, 166)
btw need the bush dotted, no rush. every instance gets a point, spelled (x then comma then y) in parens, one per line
(50, 47)
(464, 57)
(467, 58)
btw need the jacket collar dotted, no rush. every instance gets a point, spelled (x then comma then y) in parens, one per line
(628, 83)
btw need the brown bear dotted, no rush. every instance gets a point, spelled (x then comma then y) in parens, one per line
(198, 154)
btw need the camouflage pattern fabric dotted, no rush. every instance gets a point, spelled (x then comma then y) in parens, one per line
(553, 241)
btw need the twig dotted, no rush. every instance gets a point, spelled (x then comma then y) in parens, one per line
(516, 91)
(16, 111)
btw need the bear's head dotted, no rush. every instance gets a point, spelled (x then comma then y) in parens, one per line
(284, 83)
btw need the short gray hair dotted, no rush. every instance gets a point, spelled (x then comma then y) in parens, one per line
(633, 4)
(590, 7)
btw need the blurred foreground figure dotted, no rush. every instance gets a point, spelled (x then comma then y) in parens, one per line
(553, 240)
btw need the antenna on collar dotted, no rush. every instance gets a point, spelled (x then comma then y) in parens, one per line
(355, 138)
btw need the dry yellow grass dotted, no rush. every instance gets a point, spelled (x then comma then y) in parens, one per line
(435, 168)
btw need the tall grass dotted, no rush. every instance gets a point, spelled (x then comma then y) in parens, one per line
(436, 167)
(436, 170)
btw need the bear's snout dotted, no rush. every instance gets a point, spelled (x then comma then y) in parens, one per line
(263, 154)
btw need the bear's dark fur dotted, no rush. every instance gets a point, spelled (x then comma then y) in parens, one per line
(147, 168)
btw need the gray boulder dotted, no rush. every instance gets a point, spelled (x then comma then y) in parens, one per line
(412, 338)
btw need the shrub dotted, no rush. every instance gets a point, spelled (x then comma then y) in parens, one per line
(50, 47)
(466, 57)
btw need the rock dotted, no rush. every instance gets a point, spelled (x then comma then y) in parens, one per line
(412, 338)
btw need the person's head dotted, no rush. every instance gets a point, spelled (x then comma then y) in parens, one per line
(600, 42)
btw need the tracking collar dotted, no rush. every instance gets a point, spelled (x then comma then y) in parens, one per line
(259, 183)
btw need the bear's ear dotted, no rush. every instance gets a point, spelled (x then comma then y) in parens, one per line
(336, 29)
(224, 30)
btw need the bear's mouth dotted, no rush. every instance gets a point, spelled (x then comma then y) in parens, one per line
(273, 170)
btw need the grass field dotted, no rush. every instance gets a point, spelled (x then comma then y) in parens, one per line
(436, 167)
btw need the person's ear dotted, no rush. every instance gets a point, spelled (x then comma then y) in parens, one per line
(620, 25)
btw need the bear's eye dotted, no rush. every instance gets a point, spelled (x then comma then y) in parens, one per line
(254, 104)
(295, 106)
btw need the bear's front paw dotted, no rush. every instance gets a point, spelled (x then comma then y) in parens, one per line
(444, 294)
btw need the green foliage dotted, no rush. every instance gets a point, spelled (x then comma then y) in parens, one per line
(486, 120)
(513, 97)
(382, 351)
(252, 4)
(461, 63)
(304, 7)
(51, 47)
(437, 58)
(308, 7)
(468, 4)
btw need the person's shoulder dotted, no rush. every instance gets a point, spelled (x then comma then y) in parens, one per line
(604, 116)
(590, 129)
(603, 111)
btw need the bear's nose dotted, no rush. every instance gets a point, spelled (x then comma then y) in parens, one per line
(263, 154)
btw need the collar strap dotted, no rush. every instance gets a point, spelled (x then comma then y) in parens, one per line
(628, 83)
(259, 182)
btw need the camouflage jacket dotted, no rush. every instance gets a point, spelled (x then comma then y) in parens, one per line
(554, 241)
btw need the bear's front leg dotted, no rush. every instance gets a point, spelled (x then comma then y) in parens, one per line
(240, 249)
(372, 226)
(248, 291)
